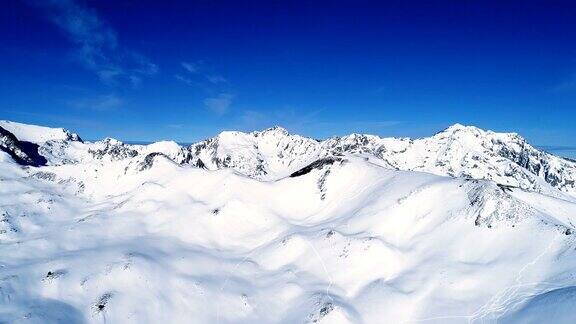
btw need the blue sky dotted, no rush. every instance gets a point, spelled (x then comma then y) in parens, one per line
(185, 70)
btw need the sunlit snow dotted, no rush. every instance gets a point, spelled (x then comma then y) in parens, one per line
(466, 226)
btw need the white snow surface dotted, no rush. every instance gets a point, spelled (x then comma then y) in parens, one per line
(37, 134)
(113, 233)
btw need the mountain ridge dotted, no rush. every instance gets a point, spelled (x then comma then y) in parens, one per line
(274, 153)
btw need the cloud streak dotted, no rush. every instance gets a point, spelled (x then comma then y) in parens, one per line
(96, 44)
(219, 104)
(98, 103)
(190, 67)
(197, 75)
(199, 69)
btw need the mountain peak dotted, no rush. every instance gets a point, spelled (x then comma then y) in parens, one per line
(275, 129)
(111, 141)
(460, 127)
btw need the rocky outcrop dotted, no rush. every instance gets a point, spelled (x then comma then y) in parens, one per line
(24, 153)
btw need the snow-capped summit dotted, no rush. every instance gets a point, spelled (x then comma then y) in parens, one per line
(266, 155)
(272, 131)
(507, 158)
(459, 127)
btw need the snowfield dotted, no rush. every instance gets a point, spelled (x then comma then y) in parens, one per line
(466, 226)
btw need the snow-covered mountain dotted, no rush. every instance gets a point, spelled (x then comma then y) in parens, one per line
(458, 151)
(466, 226)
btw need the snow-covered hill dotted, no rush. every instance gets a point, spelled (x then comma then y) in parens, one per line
(38, 134)
(270, 227)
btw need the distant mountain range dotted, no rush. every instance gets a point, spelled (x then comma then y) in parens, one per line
(458, 151)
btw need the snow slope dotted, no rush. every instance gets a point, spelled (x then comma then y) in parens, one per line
(117, 233)
(37, 134)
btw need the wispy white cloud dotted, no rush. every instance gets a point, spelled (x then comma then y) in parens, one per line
(199, 69)
(198, 75)
(98, 103)
(97, 45)
(219, 104)
(216, 79)
(188, 81)
(190, 67)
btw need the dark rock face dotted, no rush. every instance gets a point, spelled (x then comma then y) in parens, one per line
(73, 137)
(24, 153)
(318, 164)
(537, 163)
(149, 160)
(32, 151)
(115, 150)
(200, 164)
(42, 175)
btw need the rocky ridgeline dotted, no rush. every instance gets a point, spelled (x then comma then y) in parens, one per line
(458, 151)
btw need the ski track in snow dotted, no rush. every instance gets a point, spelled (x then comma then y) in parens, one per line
(505, 299)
